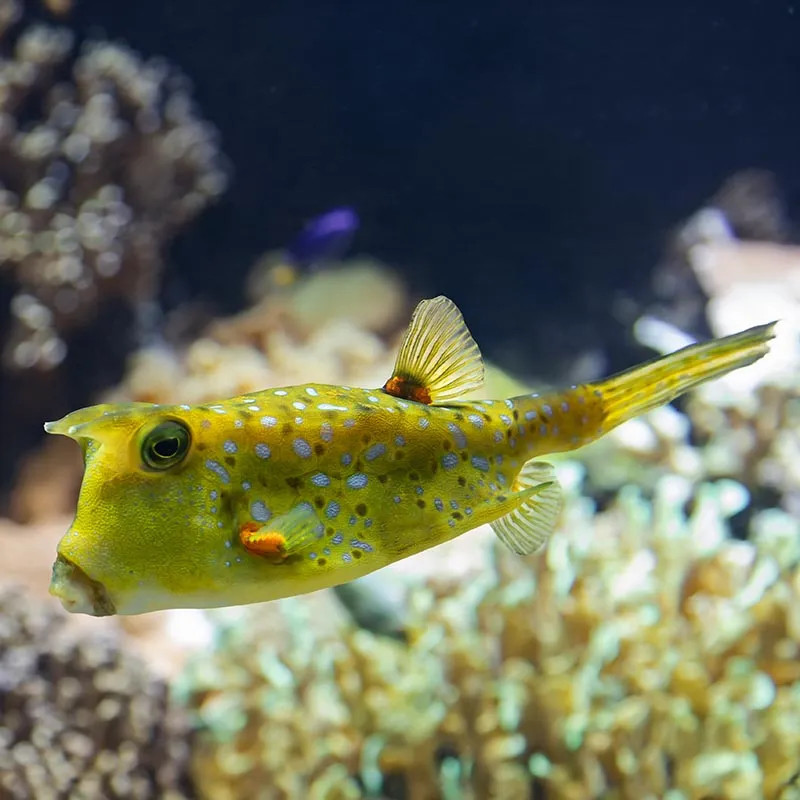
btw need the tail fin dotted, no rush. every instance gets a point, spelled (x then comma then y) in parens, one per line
(656, 382)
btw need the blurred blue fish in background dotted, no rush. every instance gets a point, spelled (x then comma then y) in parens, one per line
(322, 243)
(324, 239)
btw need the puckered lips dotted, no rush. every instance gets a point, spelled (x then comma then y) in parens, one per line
(77, 591)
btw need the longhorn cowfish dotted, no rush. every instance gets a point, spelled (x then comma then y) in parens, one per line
(294, 489)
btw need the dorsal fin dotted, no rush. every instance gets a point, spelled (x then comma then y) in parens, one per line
(438, 359)
(529, 525)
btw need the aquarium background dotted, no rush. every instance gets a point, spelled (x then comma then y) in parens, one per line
(590, 184)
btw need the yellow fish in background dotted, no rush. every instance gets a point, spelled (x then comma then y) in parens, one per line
(295, 489)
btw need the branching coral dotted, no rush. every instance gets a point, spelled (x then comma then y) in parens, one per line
(79, 718)
(645, 654)
(102, 161)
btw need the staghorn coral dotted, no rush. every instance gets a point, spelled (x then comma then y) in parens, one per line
(752, 436)
(644, 654)
(78, 717)
(102, 162)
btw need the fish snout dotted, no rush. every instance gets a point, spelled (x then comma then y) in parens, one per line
(77, 592)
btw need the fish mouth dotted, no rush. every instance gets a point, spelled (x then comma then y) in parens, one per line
(77, 592)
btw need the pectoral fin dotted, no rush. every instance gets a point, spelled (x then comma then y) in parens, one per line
(527, 527)
(282, 536)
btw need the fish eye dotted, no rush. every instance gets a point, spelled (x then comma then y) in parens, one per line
(166, 445)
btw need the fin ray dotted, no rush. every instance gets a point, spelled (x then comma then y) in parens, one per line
(439, 361)
(527, 528)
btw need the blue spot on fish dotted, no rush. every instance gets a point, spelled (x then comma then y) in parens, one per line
(357, 481)
(219, 470)
(375, 451)
(262, 450)
(480, 463)
(302, 448)
(332, 510)
(320, 479)
(259, 511)
(458, 435)
(449, 460)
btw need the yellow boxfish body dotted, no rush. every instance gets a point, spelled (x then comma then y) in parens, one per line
(293, 489)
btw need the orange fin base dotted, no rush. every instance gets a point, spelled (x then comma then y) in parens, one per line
(267, 544)
(407, 390)
(286, 535)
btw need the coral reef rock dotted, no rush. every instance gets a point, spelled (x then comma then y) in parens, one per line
(102, 162)
(78, 717)
(329, 327)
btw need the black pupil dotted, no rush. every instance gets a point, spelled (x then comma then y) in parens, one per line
(166, 448)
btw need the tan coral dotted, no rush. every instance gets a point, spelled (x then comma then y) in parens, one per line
(112, 165)
(643, 652)
(80, 717)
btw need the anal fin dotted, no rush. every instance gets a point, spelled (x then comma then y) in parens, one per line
(527, 528)
(283, 536)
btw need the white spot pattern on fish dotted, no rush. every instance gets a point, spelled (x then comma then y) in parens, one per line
(218, 469)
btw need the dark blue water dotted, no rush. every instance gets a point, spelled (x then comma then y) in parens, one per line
(527, 159)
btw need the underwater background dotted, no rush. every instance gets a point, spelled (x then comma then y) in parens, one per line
(201, 199)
